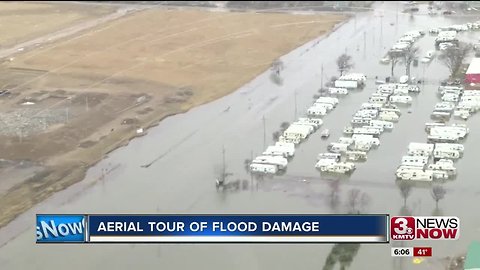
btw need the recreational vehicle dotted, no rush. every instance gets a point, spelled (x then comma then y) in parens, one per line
(337, 91)
(379, 123)
(356, 155)
(278, 161)
(367, 131)
(263, 168)
(337, 147)
(335, 156)
(317, 110)
(401, 99)
(446, 153)
(414, 161)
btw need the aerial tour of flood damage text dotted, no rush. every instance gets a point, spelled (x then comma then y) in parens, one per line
(239, 135)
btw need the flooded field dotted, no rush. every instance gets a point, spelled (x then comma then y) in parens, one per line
(184, 151)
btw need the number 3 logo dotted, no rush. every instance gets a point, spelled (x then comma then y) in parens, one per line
(402, 227)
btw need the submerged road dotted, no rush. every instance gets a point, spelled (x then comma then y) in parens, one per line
(184, 153)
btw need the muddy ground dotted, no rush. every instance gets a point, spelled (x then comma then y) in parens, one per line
(71, 102)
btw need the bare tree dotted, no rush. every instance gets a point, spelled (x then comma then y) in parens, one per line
(410, 55)
(405, 190)
(334, 193)
(276, 135)
(353, 199)
(246, 165)
(438, 193)
(344, 63)
(394, 59)
(453, 57)
(284, 125)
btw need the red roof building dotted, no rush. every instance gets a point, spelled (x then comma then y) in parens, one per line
(472, 77)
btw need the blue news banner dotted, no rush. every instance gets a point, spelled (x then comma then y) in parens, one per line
(212, 228)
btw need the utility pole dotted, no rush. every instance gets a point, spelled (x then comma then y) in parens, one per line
(396, 17)
(66, 113)
(224, 171)
(264, 133)
(364, 44)
(321, 78)
(86, 103)
(381, 30)
(295, 100)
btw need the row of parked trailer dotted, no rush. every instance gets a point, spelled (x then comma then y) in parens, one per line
(275, 157)
(371, 120)
(435, 159)
(406, 41)
(417, 165)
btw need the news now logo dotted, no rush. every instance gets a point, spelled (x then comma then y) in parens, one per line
(424, 228)
(60, 228)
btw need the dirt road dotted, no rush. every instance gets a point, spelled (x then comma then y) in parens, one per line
(52, 37)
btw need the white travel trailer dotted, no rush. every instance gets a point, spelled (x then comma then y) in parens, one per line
(337, 147)
(338, 91)
(401, 99)
(420, 149)
(442, 138)
(335, 156)
(450, 97)
(390, 109)
(359, 77)
(363, 146)
(274, 150)
(341, 167)
(263, 168)
(367, 131)
(438, 174)
(366, 113)
(460, 132)
(379, 100)
(294, 140)
(278, 161)
(289, 146)
(295, 133)
(464, 114)
(317, 110)
(414, 161)
(346, 140)
(359, 138)
(423, 146)
(330, 100)
(444, 106)
(356, 155)
(413, 88)
(321, 163)
(428, 126)
(316, 121)
(388, 116)
(379, 128)
(446, 153)
(416, 175)
(450, 146)
(361, 120)
(403, 91)
(450, 169)
(305, 123)
(351, 84)
(371, 106)
(379, 123)
(328, 106)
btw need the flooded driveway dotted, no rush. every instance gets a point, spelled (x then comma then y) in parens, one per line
(184, 152)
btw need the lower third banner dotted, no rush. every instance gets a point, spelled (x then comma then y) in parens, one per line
(220, 228)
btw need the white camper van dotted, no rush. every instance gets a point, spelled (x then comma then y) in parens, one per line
(401, 99)
(278, 161)
(263, 168)
(337, 147)
(414, 161)
(379, 123)
(317, 110)
(337, 91)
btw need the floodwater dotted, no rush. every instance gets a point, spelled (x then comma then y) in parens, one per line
(185, 152)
